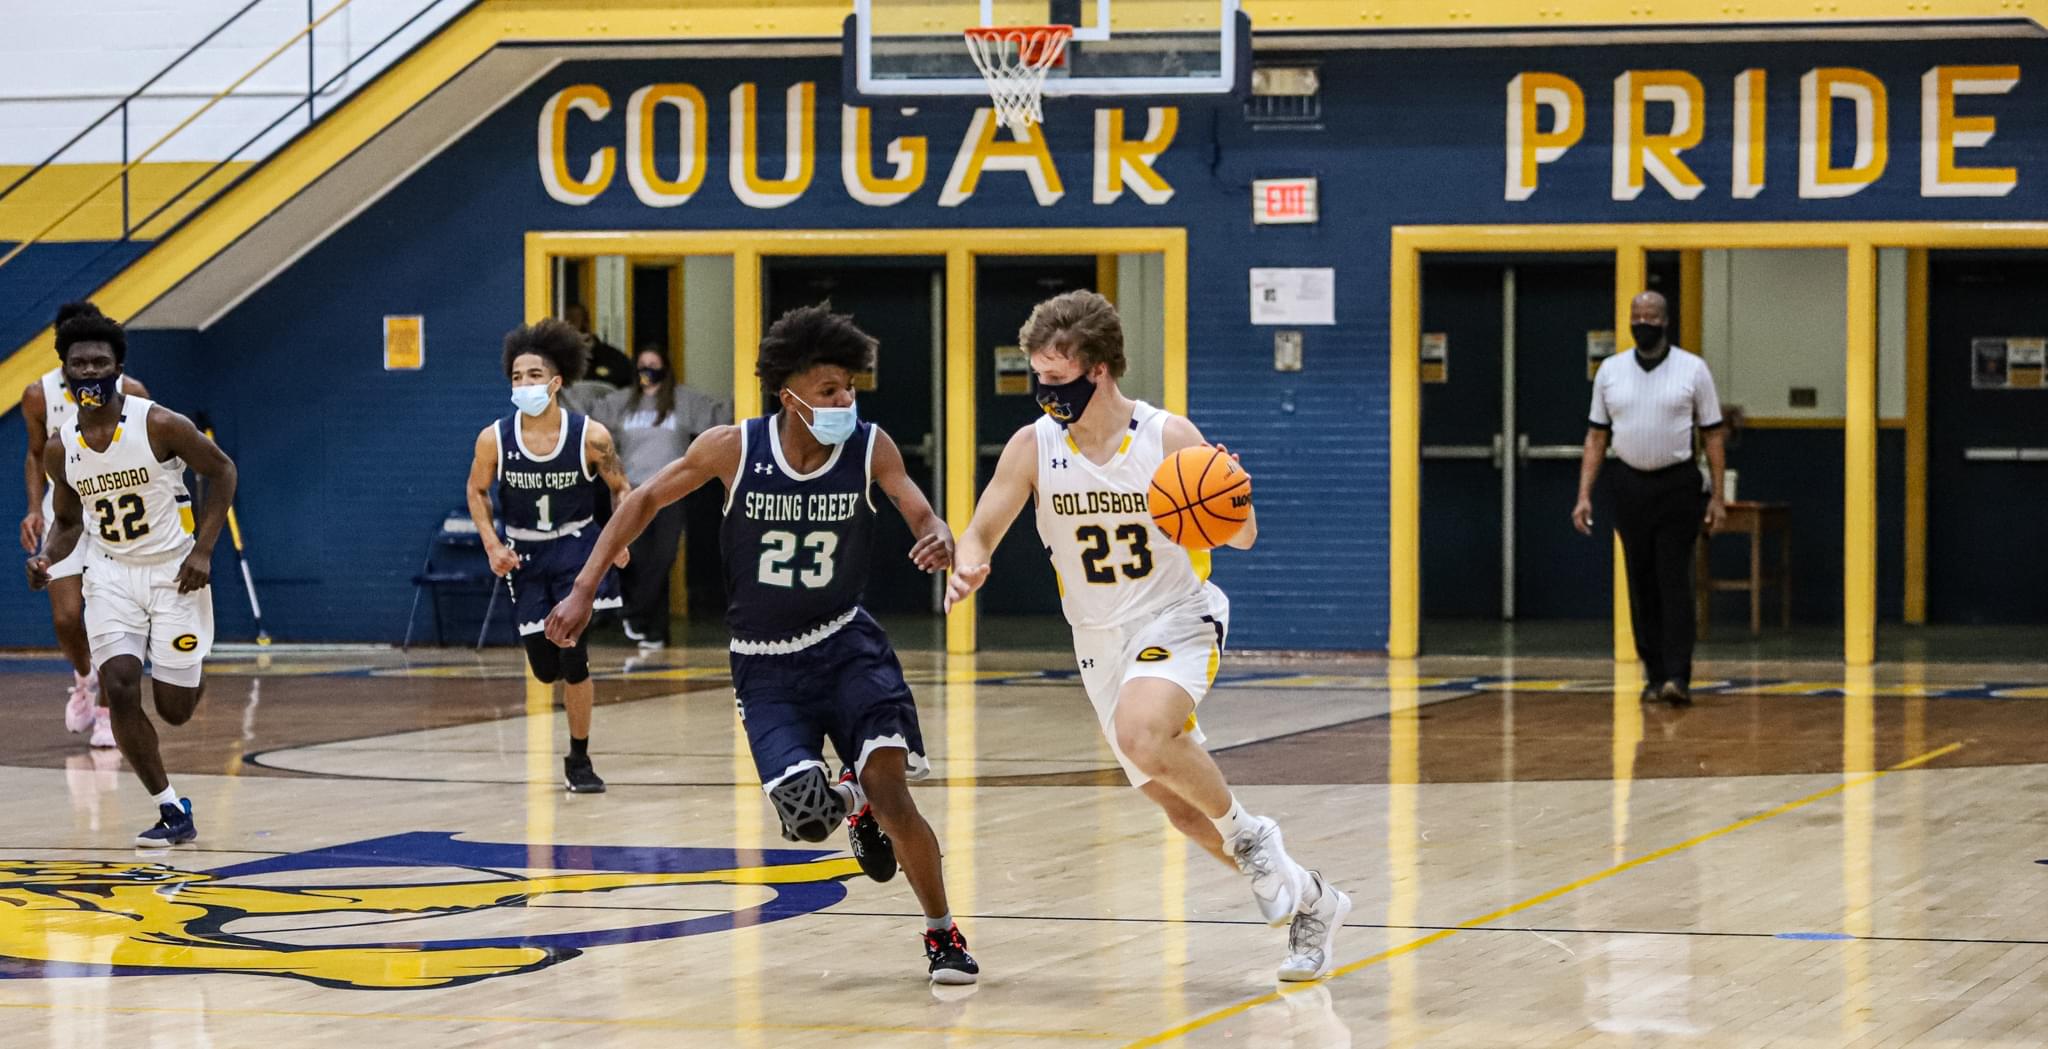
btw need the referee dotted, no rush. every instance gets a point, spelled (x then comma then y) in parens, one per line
(1648, 400)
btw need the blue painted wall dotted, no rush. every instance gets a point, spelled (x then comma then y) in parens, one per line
(348, 468)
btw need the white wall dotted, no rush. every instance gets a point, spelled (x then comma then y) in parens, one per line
(1141, 304)
(64, 64)
(707, 325)
(1775, 319)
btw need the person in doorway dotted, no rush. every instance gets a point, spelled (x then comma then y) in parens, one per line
(608, 363)
(1648, 401)
(553, 471)
(808, 662)
(121, 459)
(654, 422)
(46, 405)
(1148, 637)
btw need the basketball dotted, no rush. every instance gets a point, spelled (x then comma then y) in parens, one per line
(1199, 497)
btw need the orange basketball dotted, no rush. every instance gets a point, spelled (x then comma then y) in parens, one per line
(1199, 497)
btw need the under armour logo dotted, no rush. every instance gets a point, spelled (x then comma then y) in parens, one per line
(763, 468)
(514, 456)
(1087, 664)
(1059, 464)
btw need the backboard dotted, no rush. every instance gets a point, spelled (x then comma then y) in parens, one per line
(914, 48)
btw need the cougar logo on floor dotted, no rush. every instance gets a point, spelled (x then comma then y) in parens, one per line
(92, 918)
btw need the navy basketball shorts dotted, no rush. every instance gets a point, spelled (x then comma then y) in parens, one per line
(848, 688)
(547, 572)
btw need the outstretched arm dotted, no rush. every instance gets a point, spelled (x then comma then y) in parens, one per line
(1016, 476)
(171, 434)
(33, 413)
(933, 551)
(714, 454)
(1181, 433)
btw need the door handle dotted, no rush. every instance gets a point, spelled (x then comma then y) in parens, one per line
(1489, 452)
(1524, 451)
(2005, 455)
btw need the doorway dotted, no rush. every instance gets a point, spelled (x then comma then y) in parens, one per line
(1510, 345)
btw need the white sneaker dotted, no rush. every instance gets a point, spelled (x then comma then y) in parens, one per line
(78, 709)
(651, 645)
(102, 728)
(1312, 936)
(1278, 883)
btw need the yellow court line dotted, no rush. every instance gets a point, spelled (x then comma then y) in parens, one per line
(572, 1021)
(1566, 889)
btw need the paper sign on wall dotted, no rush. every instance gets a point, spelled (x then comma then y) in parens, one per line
(1599, 347)
(1436, 357)
(2025, 362)
(1294, 296)
(405, 343)
(1013, 370)
(1998, 363)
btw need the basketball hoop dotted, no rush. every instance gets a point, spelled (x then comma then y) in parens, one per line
(1014, 61)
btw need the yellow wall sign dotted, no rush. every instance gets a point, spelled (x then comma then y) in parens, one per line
(405, 343)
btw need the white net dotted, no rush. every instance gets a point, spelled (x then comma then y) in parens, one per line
(1014, 61)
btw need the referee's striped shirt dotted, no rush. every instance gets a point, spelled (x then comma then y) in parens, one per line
(1651, 411)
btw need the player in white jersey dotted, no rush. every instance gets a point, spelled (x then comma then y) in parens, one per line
(1148, 627)
(121, 460)
(46, 405)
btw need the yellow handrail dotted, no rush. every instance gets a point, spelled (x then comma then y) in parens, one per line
(172, 133)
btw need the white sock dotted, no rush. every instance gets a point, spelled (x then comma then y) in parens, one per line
(856, 798)
(1311, 893)
(167, 796)
(939, 924)
(1231, 823)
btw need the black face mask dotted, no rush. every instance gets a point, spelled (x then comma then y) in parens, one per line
(652, 375)
(1648, 336)
(94, 393)
(1066, 401)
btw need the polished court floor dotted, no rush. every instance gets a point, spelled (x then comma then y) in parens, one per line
(1803, 858)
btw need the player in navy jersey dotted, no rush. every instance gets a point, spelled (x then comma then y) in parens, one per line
(554, 473)
(808, 663)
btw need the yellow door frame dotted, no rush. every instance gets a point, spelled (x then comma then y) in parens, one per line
(1630, 243)
(958, 247)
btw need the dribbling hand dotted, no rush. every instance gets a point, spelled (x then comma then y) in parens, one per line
(966, 580)
(568, 618)
(933, 553)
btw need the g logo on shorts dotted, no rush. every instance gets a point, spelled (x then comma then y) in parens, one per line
(1154, 654)
(186, 642)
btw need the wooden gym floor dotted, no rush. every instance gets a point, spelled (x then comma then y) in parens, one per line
(1803, 858)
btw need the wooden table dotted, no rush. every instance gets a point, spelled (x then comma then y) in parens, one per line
(1753, 520)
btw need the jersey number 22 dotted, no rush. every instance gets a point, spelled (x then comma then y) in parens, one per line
(779, 553)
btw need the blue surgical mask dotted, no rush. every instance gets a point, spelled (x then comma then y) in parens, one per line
(530, 400)
(830, 425)
(96, 393)
(1065, 401)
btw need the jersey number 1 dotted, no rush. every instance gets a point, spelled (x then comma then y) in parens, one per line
(779, 551)
(129, 510)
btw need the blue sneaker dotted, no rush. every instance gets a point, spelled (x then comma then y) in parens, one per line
(173, 827)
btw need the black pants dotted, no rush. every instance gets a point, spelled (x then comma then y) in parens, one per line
(1658, 513)
(646, 575)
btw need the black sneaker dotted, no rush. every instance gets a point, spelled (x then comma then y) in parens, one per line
(1650, 692)
(946, 949)
(579, 777)
(871, 847)
(174, 826)
(1675, 694)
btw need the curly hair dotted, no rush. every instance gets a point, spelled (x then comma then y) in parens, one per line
(1080, 325)
(809, 336)
(553, 341)
(92, 327)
